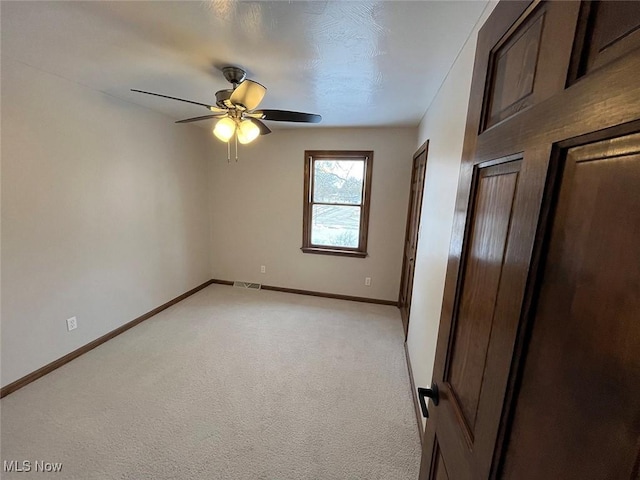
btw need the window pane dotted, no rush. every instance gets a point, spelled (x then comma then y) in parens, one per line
(335, 225)
(338, 181)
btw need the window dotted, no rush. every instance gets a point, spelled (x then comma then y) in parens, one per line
(337, 191)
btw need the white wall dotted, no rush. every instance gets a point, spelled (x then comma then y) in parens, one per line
(257, 212)
(104, 214)
(443, 125)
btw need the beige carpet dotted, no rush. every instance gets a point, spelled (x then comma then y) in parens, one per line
(228, 384)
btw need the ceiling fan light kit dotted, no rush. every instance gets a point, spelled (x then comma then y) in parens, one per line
(236, 110)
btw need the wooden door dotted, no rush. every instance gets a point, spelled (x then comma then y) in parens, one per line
(538, 356)
(411, 235)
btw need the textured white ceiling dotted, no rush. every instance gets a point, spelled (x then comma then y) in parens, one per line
(356, 63)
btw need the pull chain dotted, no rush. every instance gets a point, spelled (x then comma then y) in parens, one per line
(236, 135)
(228, 152)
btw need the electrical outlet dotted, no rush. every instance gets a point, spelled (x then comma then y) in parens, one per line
(367, 281)
(72, 323)
(263, 269)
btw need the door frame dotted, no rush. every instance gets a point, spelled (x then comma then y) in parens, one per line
(405, 309)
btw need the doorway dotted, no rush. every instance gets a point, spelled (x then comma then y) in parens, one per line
(412, 233)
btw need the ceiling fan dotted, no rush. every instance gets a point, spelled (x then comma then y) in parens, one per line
(236, 109)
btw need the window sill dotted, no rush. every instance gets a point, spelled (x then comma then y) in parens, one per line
(333, 251)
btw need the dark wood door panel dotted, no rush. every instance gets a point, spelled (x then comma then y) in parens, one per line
(577, 414)
(494, 197)
(607, 30)
(514, 69)
(528, 64)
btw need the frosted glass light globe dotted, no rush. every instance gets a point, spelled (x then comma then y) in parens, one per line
(247, 131)
(224, 129)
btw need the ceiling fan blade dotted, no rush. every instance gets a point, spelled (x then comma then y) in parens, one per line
(287, 116)
(205, 117)
(248, 94)
(210, 107)
(264, 130)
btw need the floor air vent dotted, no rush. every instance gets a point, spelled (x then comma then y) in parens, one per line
(252, 286)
